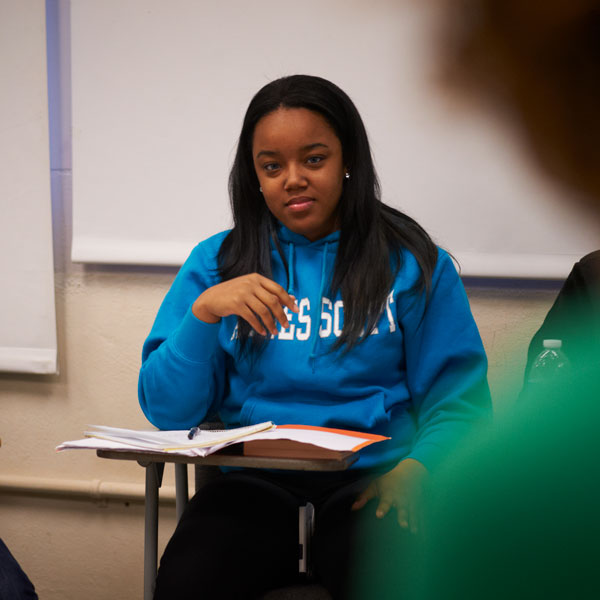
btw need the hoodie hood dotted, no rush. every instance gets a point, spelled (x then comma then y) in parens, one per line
(287, 236)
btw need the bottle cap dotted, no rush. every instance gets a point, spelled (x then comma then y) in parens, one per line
(552, 344)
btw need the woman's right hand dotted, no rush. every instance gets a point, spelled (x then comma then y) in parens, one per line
(253, 297)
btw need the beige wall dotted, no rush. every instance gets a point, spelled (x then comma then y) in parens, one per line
(85, 548)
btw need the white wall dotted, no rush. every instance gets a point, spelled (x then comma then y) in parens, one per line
(159, 93)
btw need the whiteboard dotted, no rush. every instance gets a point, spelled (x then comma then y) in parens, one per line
(27, 312)
(159, 93)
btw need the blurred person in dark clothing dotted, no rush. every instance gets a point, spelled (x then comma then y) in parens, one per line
(574, 318)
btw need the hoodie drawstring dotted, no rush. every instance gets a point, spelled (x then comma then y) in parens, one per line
(290, 289)
(317, 321)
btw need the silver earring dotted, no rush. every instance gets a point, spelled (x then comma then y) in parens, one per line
(260, 190)
(347, 175)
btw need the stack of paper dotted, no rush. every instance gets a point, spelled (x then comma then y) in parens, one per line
(101, 437)
(263, 439)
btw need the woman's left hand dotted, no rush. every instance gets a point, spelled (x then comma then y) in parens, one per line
(402, 488)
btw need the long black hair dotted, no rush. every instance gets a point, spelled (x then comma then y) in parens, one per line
(372, 234)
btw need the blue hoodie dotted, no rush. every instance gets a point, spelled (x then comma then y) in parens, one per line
(419, 378)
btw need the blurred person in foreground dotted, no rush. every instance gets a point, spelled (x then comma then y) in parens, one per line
(517, 514)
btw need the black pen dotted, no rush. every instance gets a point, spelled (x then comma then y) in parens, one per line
(193, 432)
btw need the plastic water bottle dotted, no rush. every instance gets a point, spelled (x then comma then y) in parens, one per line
(549, 364)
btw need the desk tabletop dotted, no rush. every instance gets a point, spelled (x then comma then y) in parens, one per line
(232, 457)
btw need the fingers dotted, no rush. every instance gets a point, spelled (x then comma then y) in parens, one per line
(292, 301)
(403, 518)
(255, 298)
(407, 513)
(364, 497)
(386, 502)
(249, 315)
(415, 516)
(409, 516)
(267, 302)
(270, 310)
(283, 297)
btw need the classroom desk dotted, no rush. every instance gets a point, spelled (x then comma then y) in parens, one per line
(231, 456)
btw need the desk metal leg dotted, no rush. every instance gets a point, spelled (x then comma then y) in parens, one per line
(154, 472)
(181, 488)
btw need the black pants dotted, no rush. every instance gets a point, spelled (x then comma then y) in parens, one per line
(238, 538)
(14, 583)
